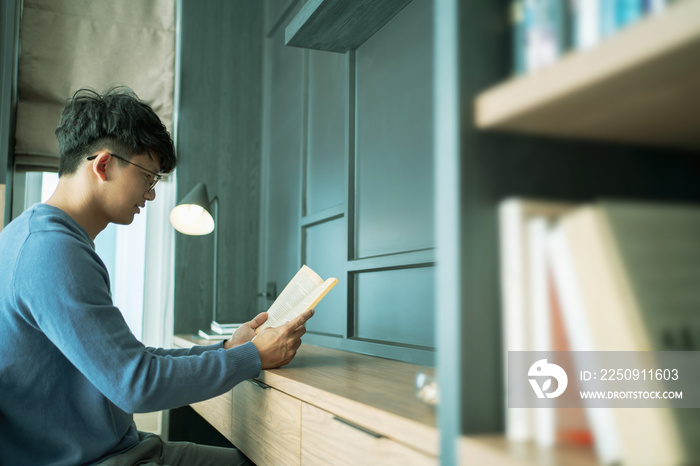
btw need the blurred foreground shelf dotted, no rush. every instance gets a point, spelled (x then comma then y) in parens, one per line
(641, 86)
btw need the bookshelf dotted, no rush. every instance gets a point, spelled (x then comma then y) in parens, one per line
(631, 98)
(639, 86)
(339, 25)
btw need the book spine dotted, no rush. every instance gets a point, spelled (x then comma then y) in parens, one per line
(532, 31)
(545, 32)
(587, 26)
(518, 31)
(653, 7)
(656, 6)
(628, 12)
(556, 20)
(541, 328)
(607, 442)
(519, 421)
(608, 17)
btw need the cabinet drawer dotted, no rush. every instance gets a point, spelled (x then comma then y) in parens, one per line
(265, 424)
(326, 439)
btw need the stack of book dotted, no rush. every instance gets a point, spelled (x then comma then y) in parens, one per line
(544, 30)
(218, 331)
(602, 277)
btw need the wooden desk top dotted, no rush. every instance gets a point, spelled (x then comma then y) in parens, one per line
(374, 393)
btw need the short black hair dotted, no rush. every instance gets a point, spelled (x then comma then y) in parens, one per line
(116, 120)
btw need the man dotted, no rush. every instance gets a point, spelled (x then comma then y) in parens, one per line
(71, 372)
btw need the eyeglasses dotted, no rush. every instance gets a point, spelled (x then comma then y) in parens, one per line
(156, 176)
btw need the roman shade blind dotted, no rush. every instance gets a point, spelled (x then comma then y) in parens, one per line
(71, 44)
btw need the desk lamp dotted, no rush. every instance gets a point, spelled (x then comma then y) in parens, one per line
(192, 216)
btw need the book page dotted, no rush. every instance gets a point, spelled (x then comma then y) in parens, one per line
(309, 301)
(297, 292)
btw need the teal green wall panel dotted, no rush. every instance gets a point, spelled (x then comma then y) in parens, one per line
(394, 114)
(347, 155)
(283, 186)
(396, 307)
(324, 253)
(219, 140)
(326, 131)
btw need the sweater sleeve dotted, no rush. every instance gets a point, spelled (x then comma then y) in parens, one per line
(193, 351)
(62, 287)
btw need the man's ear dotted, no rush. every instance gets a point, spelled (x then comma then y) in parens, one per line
(99, 164)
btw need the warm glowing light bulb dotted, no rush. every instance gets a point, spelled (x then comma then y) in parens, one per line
(190, 213)
(191, 219)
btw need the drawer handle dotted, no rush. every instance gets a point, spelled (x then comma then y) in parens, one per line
(264, 386)
(355, 426)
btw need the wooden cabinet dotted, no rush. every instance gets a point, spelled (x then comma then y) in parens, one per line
(327, 407)
(266, 423)
(262, 422)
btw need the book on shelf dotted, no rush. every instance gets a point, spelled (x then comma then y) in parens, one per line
(616, 14)
(518, 33)
(544, 30)
(540, 33)
(303, 292)
(566, 424)
(627, 276)
(586, 23)
(515, 215)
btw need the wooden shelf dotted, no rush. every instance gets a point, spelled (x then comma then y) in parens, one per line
(339, 25)
(497, 451)
(640, 86)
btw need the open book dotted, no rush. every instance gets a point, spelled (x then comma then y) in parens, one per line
(304, 292)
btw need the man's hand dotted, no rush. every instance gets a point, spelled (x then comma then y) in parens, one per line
(246, 332)
(277, 346)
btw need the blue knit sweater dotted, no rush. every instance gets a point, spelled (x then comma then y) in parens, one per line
(71, 372)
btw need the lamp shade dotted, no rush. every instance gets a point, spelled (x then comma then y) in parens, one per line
(192, 215)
